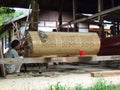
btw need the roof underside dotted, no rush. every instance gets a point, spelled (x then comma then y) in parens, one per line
(83, 6)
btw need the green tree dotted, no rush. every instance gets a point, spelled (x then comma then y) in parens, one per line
(6, 14)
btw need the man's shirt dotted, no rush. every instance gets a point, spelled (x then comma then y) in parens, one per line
(12, 53)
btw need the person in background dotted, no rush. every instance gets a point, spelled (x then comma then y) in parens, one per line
(12, 53)
(113, 30)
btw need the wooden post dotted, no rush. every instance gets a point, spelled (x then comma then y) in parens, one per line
(118, 27)
(60, 15)
(101, 26)
(3, 70)
(2, 65)
(34, 16)
(74, 16)
(113, 3)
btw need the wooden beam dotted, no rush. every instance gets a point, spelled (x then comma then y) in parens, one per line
(106, 58)
(93, 16)
(69, 59)
(45, 60)
(76, 58)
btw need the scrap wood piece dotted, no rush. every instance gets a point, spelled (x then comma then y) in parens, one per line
(105, 73)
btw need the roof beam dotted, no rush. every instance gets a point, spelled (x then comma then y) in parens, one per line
(102, 13)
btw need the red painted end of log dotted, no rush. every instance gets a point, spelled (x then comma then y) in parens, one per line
(110, 46)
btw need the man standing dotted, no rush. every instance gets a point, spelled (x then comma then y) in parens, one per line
(12, 53)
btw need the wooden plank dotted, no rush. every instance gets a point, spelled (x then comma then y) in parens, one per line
(72, 59)
(106, 58)
(50, 59)
(25, 60)
(45, 59)
(105, 73)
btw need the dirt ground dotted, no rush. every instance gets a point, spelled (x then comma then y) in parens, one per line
(67, 74)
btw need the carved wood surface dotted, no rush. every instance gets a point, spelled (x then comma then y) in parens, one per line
(63, 44)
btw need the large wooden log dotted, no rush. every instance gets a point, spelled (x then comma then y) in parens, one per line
(63, 44)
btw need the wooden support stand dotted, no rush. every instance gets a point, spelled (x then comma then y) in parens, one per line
(55, 59)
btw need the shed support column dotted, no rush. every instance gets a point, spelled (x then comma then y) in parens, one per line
(34, 16)
(74, 16)
(118, 28)
(101, 26)
(112, 3)
(60, 15)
